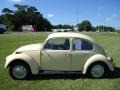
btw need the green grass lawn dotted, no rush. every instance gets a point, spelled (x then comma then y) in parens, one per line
(11, 41)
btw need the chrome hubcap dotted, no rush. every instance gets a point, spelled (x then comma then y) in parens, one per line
(19, 71)
(97, 71)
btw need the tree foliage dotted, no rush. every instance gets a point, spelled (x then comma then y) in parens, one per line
(7, 11)
(85, 26)
(24, 15)
(60, 26)
(104, 29)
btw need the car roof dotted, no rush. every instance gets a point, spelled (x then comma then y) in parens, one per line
(70, 35)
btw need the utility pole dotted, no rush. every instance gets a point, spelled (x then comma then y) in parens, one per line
(77, 19)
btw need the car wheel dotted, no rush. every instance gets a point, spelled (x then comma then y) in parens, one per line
(19, 70)
(1, 31)
(97, 70)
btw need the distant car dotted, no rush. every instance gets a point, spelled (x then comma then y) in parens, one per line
(2, 28)
(29, 28)
(68, 52)
(59, 31)
(65, 31)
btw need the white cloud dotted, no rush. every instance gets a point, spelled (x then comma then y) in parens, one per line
(15, 0)
(50, 15)
(114, 15)
(108, 19)
(100, 8)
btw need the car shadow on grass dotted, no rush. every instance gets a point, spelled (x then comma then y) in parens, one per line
(57, 76)
(114, 75)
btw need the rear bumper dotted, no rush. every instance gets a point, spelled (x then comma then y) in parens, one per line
(112, 63)
(110, 59)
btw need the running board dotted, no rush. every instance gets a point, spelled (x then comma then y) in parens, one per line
(60, 72)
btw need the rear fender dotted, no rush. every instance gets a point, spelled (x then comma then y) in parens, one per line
(97, 58)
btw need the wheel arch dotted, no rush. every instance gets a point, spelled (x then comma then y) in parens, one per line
(19, 61)
(98, 58)
(34, 66)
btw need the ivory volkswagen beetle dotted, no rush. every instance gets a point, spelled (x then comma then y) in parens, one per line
(68, 52)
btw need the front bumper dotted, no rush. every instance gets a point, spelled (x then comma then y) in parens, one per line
(8, 60)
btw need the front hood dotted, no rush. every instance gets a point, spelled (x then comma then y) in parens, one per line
(31, 47)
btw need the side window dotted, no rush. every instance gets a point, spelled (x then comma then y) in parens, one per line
(86, 45)
(58, 44)
(79, 44)
(49, 44)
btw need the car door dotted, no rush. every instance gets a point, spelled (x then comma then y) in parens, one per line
(82, 50)
(54, 55)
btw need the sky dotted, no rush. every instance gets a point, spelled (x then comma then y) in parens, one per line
(98, 12)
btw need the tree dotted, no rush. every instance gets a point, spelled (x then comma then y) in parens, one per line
(7, 16)
(24, 15)
(7, 11)
(60, 26)
(85, 26)
(21, 7)
(31, 9)
(65, 26)
(104, 29)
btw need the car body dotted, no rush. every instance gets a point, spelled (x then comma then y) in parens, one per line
(2, 28)
(63, 51)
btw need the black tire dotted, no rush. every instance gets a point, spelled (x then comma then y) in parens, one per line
(104, 70)
(19, 65)
(1, 31)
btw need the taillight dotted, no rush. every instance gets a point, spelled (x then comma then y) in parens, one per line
(110, 59)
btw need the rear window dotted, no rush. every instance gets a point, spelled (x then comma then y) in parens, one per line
(79, 44)
(86, 45)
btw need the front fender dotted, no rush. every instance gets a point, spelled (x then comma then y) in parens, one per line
(96, 58)
(34, 66)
